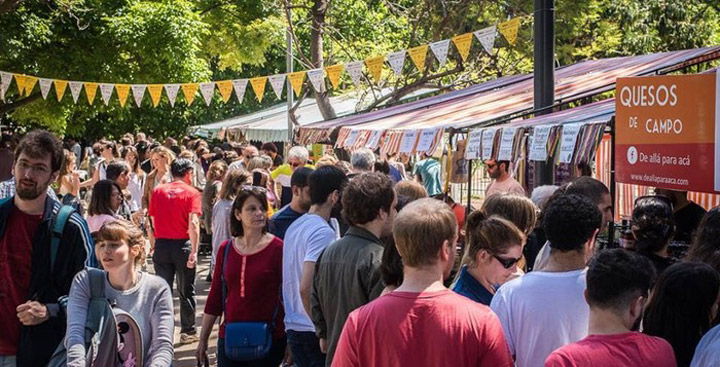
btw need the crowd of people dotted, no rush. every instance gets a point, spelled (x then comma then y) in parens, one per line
(324, 262)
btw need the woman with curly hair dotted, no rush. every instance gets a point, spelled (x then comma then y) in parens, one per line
(653, 229)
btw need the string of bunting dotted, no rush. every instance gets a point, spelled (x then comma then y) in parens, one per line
(374, 65)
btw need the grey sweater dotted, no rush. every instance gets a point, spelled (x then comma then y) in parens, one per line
(149, 302)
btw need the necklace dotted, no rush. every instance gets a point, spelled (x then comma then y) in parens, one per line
(243, 248)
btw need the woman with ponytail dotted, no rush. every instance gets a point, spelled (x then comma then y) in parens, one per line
(493, 249)
(653, 228)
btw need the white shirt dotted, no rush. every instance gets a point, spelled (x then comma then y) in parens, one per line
(238, 164)
(136, 186)
(304, 240)
(540, 312)
(707, 352)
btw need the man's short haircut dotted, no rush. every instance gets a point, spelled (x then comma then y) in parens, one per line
(270, 147)
(300, 177)
(589, 188)
(411, 189)
(541, 195)
(365, 196)
(40, 143)
(180, 166)
(569, 222)
(421, 228)
(116, 168)
(616, 276)
(300, 153)
(506, 163)
(323, 181)
(363, 159)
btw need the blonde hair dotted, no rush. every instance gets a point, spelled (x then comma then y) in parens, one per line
(217, 170)
(326, 160)
(120, 230)
(411, 189)
(517, 209)
(420, 230)
(165, 153)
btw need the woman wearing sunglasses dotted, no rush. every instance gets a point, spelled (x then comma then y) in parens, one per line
(493, 249)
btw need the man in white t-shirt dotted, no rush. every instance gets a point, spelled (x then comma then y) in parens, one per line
(502, 180)
(305, 239)
(545, 310)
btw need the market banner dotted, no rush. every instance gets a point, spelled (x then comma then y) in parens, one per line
(351, 138)
(138, 93)
(75, 88)
(90, 91)
(123, 90)
(488, 142)
(207, 90)
(317, 79)
(506, 144)
(668, 132)
(538, 146)
(226, 88)
(472, 150)
(463, 43)
(20, 81)
(189, 90)
(509, 29)
(397, 61)
(568, 140)
(240, 86)
(486, 37)
(355, 70)
(374, 139)
(296, 80)
(45, 85)
(30, 82)
(258, 85)
(440, 50)
(334, 72)
(418, 55)
(60, 86)
(172, 91)
(106, 90)
(155, 92)
(5, 80)
(407, 143)
(375, 65)
(426, 140)
(276, 82)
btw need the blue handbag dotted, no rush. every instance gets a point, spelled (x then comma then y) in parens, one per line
(246, 341)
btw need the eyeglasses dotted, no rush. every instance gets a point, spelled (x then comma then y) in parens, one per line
(506, 263)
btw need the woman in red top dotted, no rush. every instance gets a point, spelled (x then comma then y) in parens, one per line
(253, 277)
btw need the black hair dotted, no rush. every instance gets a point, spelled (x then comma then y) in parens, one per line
(652, 223)
(381, 166)
(706, 244)
(391, 266)
(589, 188)
(323, 181)
(680, 307)
(116, 168)
(101, 195)
(176, 149)
(180, 166)
(506, 163)
(570, 221)
(270, 147)
(40, 143)
(300, 177)
(616, 276)
(236, 228)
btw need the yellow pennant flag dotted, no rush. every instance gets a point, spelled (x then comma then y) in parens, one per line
(90, 91)
(155, 91)
(296, 80)
(60, 86)
(509, 29)
(463, 43)
(375, 65)
(258, 85)
(226, 88)
(189, 91)
(30, 82)
(20, 80)
(418, 56)
(334, 72)
(123, 90)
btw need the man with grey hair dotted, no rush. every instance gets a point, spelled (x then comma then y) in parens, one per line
(297, 157)
(362, 160)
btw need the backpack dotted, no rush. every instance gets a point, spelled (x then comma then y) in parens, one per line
(112, 336)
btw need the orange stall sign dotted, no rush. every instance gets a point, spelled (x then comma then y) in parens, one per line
(667, 132)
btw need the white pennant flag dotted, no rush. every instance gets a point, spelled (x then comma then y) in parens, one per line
(355, 70)
(317, 78)
(440, 50)
(106, 90)
(75, 88)
(138, 93)
(5, 80)
(172, 92)
(240, 85)
(276, 82)
(207, 90)
(397, 61)
(45, 86)
(486, 37)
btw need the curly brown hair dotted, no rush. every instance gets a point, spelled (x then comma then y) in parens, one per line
(365, 196)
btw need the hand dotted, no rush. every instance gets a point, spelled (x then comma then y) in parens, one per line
(32, 313)
(323, 345)
(288, 360)
(201, 351)
(192, 260)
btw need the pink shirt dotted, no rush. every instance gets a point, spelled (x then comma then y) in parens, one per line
(510, 185)
(95, 222)
(629, 350)
(422, 329)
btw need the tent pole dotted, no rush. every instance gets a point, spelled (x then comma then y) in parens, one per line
(611, 225)
(289, 88)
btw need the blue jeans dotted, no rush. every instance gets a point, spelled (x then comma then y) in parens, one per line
(7, 361)
(305, 348)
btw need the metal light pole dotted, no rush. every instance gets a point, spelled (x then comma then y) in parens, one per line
(544, 71)
(289, 66)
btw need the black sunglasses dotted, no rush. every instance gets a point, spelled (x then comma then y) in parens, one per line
(506, 263)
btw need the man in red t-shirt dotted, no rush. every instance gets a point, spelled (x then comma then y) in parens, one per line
(618, 283)
(422, 323)
(175, 209)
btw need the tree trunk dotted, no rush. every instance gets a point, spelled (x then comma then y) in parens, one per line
(319, 10)
(8, 107)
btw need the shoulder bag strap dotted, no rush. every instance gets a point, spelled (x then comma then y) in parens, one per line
(228, 243)
(97, 283)
(57, 230)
